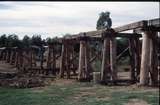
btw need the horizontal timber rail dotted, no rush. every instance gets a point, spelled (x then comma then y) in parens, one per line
(124, 35)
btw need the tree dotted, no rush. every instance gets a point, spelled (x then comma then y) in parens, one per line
(36, 40)
(26, 41)
(3, 40)
(13, 41)
(104, 21)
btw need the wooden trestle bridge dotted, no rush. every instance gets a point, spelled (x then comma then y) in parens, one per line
(144, 58)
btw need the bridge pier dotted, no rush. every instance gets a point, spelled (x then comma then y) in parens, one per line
(113, 56)
(149, 70)
(84, 70)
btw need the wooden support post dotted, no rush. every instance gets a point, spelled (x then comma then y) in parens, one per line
(84, 70)
(144, 72)
(1, 55)
(7, 56)
(153, 59)
(11, 57)
(71, 59)
(16, 59)
(41, 58)
(105, 68)
(20, 61)
(65, 66)
(81, 60)
(49, 58)
(113, 55)
(105, 60)
(30, 58)
(137, 57)
(53, 60)
(132, 59)
(62, 61)
(24, 64)
(34, 58)
(67, 61)
(88, 69)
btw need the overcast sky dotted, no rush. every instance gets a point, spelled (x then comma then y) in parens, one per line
(58, 18)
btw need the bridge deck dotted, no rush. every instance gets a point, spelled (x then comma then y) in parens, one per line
(140, 24)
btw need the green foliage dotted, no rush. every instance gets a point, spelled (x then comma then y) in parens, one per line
(13, 41)
(36, 40)
(10, 41)
(26, 41)
(3, 40)
(51, 40)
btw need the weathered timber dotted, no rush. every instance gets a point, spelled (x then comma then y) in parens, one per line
(62, 61)
(132, 59)
(105, 61)
(113, 54)
(131, 26)
(88, 69)
(97, 37)
(137, 57)
(67, 61)
(120, 55)
(153, 61)
(81, 60)
(154, 22)
(84, 70)
(144, 71)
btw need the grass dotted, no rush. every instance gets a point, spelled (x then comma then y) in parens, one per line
(77, 94)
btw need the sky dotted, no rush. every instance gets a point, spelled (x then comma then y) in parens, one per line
(50, 19)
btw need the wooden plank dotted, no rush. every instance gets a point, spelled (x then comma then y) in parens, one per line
(99, 37)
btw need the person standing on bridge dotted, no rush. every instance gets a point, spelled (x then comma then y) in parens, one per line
(104, 21)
